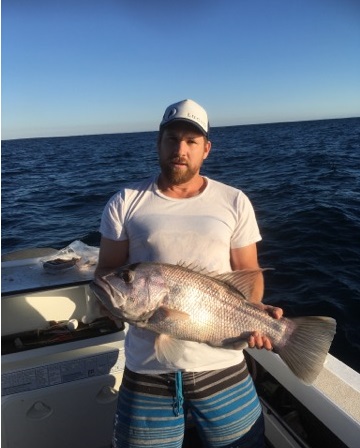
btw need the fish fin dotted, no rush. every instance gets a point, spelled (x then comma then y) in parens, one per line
(306, 349)
(196, 268)
(243, 281)
(169, 313)
(168, 349)
(239, 345)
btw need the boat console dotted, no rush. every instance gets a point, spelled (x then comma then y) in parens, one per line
(60, 372)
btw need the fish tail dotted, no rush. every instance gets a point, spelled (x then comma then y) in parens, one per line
(306, 349)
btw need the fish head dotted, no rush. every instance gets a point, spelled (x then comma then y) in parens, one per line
(132, 293)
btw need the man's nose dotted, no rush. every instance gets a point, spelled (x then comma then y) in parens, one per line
(179, 147)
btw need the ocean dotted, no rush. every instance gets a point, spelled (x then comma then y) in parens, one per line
(303, 179)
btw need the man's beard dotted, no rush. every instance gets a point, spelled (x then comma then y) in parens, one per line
(176, 176)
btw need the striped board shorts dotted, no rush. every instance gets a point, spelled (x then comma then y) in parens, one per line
(223, 405)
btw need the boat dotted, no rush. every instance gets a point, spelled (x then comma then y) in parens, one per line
(61, 370)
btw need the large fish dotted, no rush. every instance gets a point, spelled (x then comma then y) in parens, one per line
(180, 303)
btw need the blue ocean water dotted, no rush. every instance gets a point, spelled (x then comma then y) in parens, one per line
(303, 179)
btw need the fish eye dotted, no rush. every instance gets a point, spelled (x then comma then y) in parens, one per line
(127, 275)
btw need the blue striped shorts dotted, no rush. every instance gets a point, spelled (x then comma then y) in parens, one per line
(222, 404)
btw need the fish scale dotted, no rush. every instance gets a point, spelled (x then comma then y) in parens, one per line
(199, 295)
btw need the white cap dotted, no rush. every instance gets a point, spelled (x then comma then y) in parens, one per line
(187, 110)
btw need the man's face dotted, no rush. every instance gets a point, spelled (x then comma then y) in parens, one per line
(182, 150)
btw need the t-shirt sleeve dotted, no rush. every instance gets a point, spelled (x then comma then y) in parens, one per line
(112, 219)
(247, 230)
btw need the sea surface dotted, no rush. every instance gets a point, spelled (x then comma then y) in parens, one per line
(303, 179)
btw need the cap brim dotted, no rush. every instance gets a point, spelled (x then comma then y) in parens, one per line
(191, 122)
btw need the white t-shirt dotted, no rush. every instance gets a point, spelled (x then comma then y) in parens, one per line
(198, 231)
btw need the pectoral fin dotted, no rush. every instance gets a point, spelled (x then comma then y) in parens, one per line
(165, 313)
(168, 349)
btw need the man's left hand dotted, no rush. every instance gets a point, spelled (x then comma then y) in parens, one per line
(256, 339)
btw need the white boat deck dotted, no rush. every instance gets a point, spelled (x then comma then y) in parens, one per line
(334, 397)
(28, 275)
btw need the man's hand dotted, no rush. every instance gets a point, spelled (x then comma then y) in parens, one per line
(256, 339)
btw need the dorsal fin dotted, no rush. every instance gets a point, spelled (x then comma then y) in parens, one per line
(196, 268)
(243, 281)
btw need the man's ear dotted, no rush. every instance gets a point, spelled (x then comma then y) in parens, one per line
(207, 149)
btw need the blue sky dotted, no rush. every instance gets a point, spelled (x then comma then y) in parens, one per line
(74, 67)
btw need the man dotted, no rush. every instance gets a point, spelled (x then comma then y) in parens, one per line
(181, 216)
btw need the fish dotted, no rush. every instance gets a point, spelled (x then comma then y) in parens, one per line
(180, 302)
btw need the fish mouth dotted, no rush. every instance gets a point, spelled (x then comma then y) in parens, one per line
(98, 290)
(104, 293)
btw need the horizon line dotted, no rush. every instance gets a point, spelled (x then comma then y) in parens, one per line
(211, 127)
